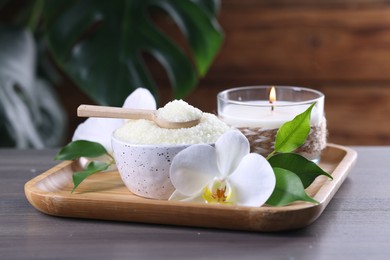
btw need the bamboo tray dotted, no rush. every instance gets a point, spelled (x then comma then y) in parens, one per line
(104, 196)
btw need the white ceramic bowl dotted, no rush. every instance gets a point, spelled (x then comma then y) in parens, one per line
(145, 168)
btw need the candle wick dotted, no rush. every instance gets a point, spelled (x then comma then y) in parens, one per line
(272, 106)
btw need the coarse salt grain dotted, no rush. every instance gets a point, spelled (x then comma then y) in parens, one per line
(147, 132)
(179, 111)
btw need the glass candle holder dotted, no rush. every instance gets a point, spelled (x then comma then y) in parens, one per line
(258, 113)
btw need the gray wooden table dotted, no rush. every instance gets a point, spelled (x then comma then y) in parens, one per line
(355, 225)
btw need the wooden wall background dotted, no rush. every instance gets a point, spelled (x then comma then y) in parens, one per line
(341, 48)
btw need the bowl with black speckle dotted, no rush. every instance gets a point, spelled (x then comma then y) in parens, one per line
(144, 168)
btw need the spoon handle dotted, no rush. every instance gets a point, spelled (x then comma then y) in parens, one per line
(114, 112)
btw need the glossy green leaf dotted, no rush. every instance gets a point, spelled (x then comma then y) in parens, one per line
(92, 167)
(293, 134)
(288, 189)
(305, 169)
(80, 148)
(100, 44)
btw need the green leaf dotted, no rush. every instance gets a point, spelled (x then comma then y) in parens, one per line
(81, 148)
(293, 134)
(100, 44)
(305, 169)
(212, 6)
(288, 189)
(92, 167)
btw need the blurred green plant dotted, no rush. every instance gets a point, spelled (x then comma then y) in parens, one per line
(99, 45)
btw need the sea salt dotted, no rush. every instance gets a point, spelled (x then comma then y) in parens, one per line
(179, 111)
(147, 132)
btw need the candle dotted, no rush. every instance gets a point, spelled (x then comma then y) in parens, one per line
(258, 112)
(252, 107)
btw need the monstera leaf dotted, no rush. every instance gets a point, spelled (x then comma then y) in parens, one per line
(99, 44)
(29, 110)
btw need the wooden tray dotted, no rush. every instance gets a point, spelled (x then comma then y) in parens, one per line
(104, 196)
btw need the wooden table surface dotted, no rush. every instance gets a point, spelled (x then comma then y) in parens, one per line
(356, 224)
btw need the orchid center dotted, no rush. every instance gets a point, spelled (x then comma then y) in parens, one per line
(218, 191)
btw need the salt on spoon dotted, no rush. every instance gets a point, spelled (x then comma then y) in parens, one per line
(175, 114)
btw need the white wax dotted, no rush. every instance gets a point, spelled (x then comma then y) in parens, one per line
(264, 117)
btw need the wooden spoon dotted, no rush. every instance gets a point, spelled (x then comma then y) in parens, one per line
(129, 113)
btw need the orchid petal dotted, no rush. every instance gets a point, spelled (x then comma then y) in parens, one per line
(253, 181)
(100, 129)
(141, 98)
(177, 196)
(193, 168)
(231, 148)
(97, 130)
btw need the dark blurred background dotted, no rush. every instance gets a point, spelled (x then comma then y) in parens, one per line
(341, 48)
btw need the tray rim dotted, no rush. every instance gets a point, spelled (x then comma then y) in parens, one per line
(323, 196)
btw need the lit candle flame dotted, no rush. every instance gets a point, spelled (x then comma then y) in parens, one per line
(272, 97)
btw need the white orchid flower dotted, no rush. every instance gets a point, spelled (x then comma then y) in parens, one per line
(226, 174)
(100, 129)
